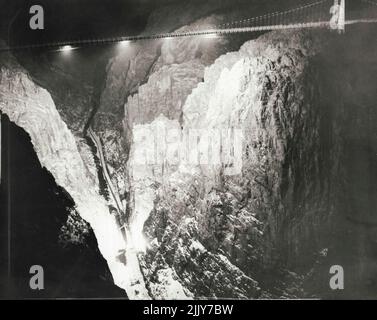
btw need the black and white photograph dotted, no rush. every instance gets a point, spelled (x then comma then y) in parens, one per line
(188, 150)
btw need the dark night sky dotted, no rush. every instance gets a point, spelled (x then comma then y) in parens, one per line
(72, 19)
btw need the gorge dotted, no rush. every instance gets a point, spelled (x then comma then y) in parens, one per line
(271, 215)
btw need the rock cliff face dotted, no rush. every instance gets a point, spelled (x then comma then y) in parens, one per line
(210, 222)
(235, 228)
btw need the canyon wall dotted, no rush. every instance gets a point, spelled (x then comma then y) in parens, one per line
(273, 223)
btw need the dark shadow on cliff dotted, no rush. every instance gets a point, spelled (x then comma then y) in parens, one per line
(348, 68)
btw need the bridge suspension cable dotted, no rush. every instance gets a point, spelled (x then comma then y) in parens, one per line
(311, 15)
(303, 14)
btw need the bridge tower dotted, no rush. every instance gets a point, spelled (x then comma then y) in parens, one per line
(342, 16)
(338, 19)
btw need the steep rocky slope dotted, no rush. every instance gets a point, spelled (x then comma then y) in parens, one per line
(32, 108)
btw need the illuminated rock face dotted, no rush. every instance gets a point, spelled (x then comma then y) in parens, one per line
(208, 223)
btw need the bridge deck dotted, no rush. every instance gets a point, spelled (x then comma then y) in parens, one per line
(208, 32)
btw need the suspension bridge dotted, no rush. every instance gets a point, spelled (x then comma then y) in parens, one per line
(329, 14)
